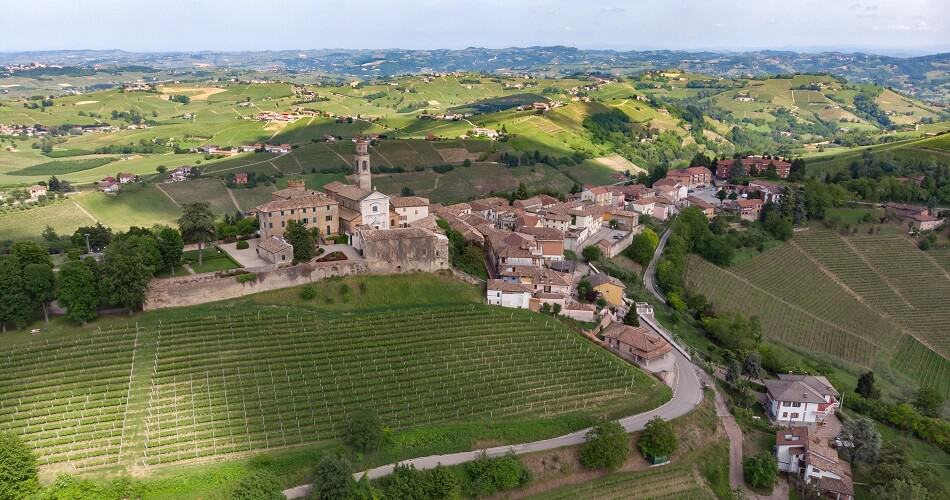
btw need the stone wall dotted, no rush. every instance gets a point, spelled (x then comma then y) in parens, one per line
(209, 287)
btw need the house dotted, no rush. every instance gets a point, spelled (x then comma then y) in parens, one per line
(311, 208)
(916, 218)
(811, 459)
(407, 209)
(669, 188)
(749, 209)
(278, 148)
(36, 191)
(275, 250)
(179, 174)
(800, 399)
(108, 186)
(633, 192)
(641, 344)
(626, 219)
(125, 178)
(770, 191)
(599, 195)
(508, 294)
(610, 288)
(580, 312)
(549, 242)
(692, 177)
(540, 279)
(644, 205)
(507, 250)
(708, 209)
(240, 178)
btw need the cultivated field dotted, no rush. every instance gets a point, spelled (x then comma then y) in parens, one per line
(864, 299)
(665, 483)
(210, 382)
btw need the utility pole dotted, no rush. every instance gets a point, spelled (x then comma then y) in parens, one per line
(88, 248)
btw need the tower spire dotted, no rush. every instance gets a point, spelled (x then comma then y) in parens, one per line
(361, 164)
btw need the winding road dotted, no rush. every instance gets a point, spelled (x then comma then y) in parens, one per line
(649, 277)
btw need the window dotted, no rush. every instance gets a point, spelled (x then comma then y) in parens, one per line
(306, 221)
(270, 225)
(794, 415)
(291, 211)
(784, 414)
(375, 208)
(282, 223)
(281, 213)
(797, 405)
(329, 219)
(328, 229)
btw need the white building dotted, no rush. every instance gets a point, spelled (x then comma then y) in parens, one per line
(506, 294)
(800, 399)
(408, 209)
(812, 460)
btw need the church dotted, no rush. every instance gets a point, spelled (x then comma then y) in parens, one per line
(360, 206)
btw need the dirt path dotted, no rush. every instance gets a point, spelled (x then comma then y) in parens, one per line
(83, 210)
(233, 199)
(159, 187)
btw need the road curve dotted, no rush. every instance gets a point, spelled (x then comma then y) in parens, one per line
(687, 394)
(649, 276)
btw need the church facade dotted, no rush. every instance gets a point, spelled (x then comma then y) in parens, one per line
(361, 206)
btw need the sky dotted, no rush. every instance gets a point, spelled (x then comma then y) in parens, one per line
(883, 26)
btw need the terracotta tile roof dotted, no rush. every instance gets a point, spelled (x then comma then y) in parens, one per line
(753, 203)
(347, 191)
(597, 280)
(797, 391)
(506, 286)
(539, 275)
(645, 343)
(274, 244)
(698, 202)
(305, 201)
(348, 214)
(408, 201)
(542, 233)
(818, 382)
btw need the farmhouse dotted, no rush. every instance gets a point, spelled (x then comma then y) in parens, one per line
(800, 399)
(240, 178)
(599, 195)
(125, 178)
(36, 191)
(770, 191)
(916, 218)
(642, 345)
(508, 294)
(811, 459)
(670, 188)
(108, 186)
(749, 209)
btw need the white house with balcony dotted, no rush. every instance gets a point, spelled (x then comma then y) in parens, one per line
(810, 457)
(800, 399)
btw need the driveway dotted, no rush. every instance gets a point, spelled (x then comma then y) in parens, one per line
(649, 276)
(687, 394)
(248, 257)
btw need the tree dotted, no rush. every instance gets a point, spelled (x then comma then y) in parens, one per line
(736, 170)
(642, 246)
(900, 489)
(734, 372)
(721, 194)
(407, 191)
(170, 246)
(332, 479)
(522, 192)
(364, 432)
(865, 440)
(607, 446)
(592, 253)
(39, 284)
(866, 386)
(98, 237)
(258, 486)
(490, 475)
(79, 290)
(631, 318)
(18, 473)
(297, 235)
(752, 366)
(30, 252)
(15, 306)
(161, 169)
(760, 471)
(734, 331)
(128, 266)
(409, 483)
(658, 439)
(928, 401)
(197, 224)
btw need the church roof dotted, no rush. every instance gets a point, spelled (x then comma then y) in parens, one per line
(347, 191)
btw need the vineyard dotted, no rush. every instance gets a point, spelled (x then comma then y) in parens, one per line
(176, 388)
(670, 482)
(862, 298)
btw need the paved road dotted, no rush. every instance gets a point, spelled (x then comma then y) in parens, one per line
(687, 394)
(649, 277)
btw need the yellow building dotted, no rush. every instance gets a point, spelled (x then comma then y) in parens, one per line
(610, 288)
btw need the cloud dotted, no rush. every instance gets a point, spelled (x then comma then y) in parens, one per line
(613, 10)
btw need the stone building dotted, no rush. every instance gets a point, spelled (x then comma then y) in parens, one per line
(403, 249)
(359, 207)
(312, 208)
(275, 250)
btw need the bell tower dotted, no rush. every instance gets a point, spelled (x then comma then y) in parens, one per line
(361, 165)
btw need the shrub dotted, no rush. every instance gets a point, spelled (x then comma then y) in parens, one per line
(491, 475)
(246, 277)
(258, 486)
(332, 478)
(18, 475)
(308, 293)
(242, 245)
(607, 446)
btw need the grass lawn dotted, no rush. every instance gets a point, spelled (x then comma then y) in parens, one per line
(28, 223)
(212, 260)
(140, 205)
